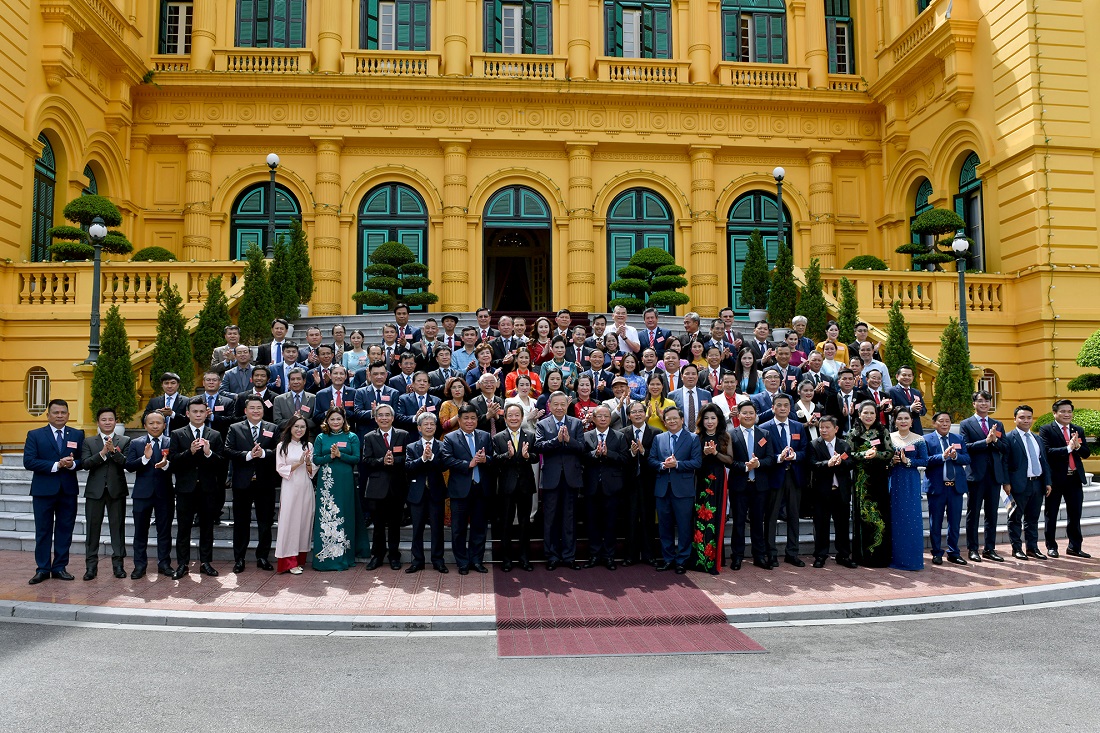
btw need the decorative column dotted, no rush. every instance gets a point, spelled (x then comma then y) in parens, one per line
(817, 54)
(699, 51)
(579, 65)
(822, 210)
(203, 32)
(328, 39)
(196, 206)
(704, 248)
(328, 298)
(457, 263)
(876, 184)
(454, 43)
(581, 252)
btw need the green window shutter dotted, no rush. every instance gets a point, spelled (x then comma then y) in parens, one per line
(278, 23)
(161, 45)
(528, 26)
(262, 24)
(613, 27)
(656, 32)
(368, 26)
(730, 34)
(768, 38)
(830, 41)
(403, 21)
(494, 16)
(543, 28)
(421, 25)
(246, 23)
(296, 24)
(778, 50)
(648, 43)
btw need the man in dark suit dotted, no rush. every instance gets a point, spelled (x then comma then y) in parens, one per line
(675, 456)
(147, 458)
(559, 439)
(606, 455)
(652, 336)
(467, 453)
(370, 397)
(382, 474)
(405, 332)
(296, 400)
(273, 351)
(250, 448)
(762, 349)
(692, 331)
(601, 378)
(437, 379)
(1066, 451)
(490, 408)
(104, 457)
(904, 394)
(338, 393)
(640, 530)
(843, 404)
(260, 387)
(791, 439)
(485, 332)
(53, 453)
(862, 333)
(513, 459)
(427, 492)
(688, 396)
(947, 459)
(414, 404)
(983, 476)
(195, 453)
(280, 371)
(220, 409)
(1027, 481)
(788, 375)
(171, 404)
(763, 400)
(830, 462)
(576, 351)
(320, 376)
(427, 346)
(402, 380)
(239, 378)
(749, 482)
(504, 346)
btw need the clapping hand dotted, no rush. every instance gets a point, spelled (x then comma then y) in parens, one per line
(871, 452)
(511, 449)
(388, 460)
(563, 434)
(669, 462)
(834, 459)
(334, 451)
(525, 452)
(257, 451)
(148, 450)
(66, 462)
(753, 463)
(427, 451)
(636, 447)
(710, 449)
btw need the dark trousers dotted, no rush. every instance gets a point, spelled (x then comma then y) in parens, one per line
(674, 516)
(263, 498)
(951, 503)
(54, 519)
(559, 540)
(93, 521)
(517, 506)
(602, 511)
(1071, 491)
(788, 494)
(641, 528)
(387, 514)
(162, 504)
(979, 496)
(427, 511)
(836, 505)
(209, 508)
(1029, 504)
(471, 512)
(751, 505)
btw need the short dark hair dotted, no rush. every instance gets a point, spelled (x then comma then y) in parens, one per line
(557, 339)
(376, 365)
(443, 348)
(727, 308)
(1060, 404)
(102, 410)
(1019, 408)
(261, 368)
(647, 311)
(283, 321)
(467, 409)
(197, 400)
(231, 327)
(981, 394)
(399, 306)
(672, 408)
(687, 366)
(599, 317)
(846, 370)
(479, 310)
(829, 419)
(167, 376)
(746, 403)
(936, 415)
(325, 346)
(561, 311)
(466, 329)
(782, 396)
(253, 398)
(759, 322)
(290, 345)
(861, 323)
(904, 366)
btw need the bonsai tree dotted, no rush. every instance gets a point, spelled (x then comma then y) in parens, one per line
(172, 349)
(257, 305)
(395, 276)
(213, 318)
(865, 262)
(71, 243)
(650, 279)
(954, 385)
(848, 314)
(754, 275)
(781, 299)
(898, 351)
(153, 254)
(113, 383)
(280, 274)
(811, 303)
(299, 265)
(938, 223)
(1088, 356)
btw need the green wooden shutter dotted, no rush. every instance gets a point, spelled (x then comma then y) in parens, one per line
(296, 24)
(278, 23)
(544, 34)
(777, 51)
(527, 23)
(613, 26)
(622, 249)
(656, 35)
(494, 19)
(246, 23)
(770, 45)
(830, 41)
(262, 24)
(403, 23)
(162, 46)
(368, 29)
(421, 25)
(730, 34)
(648, 43)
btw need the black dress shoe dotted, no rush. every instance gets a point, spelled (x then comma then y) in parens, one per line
(680, 570)
(463, 571)
(627, 562)
(1039, 555)
(506, 566)
(479, 568)
(592, 562)
(797, 562)
(120, 572)
(138, 573)
(527, 566)
(611, 565)
(416, 567)
(1052, 552)
(774, 562)
(373, 563)
(238, 567)
(937, 560)
(992, 555)
(974, 556)
(166, 570)
(1019, 554)
(181, 572)
(90, 574)
(661, 566)
(395, 564)
(1078, 553)
(848, 563)
(208, 569)
(440, 568)
(264, 564)
(762, 564)
(956, 560)
(819, 563)
(62, 575)
(551, 564)
(576, 565)
(735, 563)
(38, 578)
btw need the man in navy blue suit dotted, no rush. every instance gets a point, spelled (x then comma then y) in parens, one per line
(1027, 481)
(147, 458)
(792, 440)
(338, 393)
(1066, 450)
(983, 476)
(467, 453)
(749, 482)
(947, 460)
(652, 336)
(675, 457)
(416, 403)
(904, 394)
(559, 439)
(427, 492)
(52, 452)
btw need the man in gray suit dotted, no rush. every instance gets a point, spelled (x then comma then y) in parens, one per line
(559, 439)
(295, 400)
(239, 378)
(675, 457)
(104, 456)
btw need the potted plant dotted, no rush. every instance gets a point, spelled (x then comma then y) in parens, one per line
(754, 278)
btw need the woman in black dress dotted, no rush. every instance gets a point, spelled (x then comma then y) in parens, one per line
(710, 492)
(872, 453)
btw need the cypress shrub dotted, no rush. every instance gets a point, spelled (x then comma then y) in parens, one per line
(113, 381)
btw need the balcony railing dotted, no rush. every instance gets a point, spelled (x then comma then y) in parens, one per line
(516, 66)
(765, 76)
(169, 62)
(264, 60)
(931, 293)
(653, 71)
(391, 63)
(847, 83)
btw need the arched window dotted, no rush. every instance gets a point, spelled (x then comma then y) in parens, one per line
(968, 205)
(176, 19)
(638, 30)
(36, 390)
(45, 180)
(518, 26)
(753, 210)
(838, 33)
(271, 23)
(754, 30)
(248, 222)
(392, 212)
(395, 25)
(921, 205)
(92, 189)
(636, 219)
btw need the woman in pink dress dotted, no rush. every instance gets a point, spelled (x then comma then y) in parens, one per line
(294, 462)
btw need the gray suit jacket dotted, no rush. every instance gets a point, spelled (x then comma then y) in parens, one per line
(283, 407)
(106, 475)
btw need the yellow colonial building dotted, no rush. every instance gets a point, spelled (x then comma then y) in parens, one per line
(536, 144)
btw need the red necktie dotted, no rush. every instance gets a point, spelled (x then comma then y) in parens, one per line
(338, 401)
(1072, 462)
(909, 396)
(386, 438)
(484, 335)
(985, 426)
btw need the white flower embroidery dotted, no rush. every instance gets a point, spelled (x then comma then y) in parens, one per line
(334, 540)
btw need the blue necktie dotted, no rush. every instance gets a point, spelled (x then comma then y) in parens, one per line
(473, 452)
(278, 352)
(60, 435)
(1032, 451)
(948, 468)
(783, 434)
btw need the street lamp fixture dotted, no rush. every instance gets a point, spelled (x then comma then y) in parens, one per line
(269, 246)
(778, 173)
(97, 232)
(961, 245)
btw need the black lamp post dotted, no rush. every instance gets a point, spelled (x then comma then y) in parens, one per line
(778, 174)
(960, 246)
(269, 246)
(97, 232)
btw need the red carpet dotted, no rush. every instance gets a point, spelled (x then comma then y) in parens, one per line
(598, 612)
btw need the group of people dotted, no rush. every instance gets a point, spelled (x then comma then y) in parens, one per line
(631, 432)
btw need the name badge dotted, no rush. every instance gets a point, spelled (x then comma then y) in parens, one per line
(219, 408)
(398, 448)
(796, 436)
(342, 444)
(762, 442)
(349, 403)
(385, 398)
(71, 444)
(843, 456)
(267, 403)
(431, 408)
(164, 452)
(876, 441)
(267, 434)
(660, 339)
(305, 408)
(997, 432)
(790, 377)
(909, 447)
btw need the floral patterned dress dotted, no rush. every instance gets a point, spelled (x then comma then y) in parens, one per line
(339, 530)
(710, 514)
(871, 535)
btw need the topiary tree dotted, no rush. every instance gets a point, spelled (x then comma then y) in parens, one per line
(280, 274)
(650, 279)
(935, 222)
(898, 350)
(213, 318)
(754, 275)
(172, 349)
(954, 384)
(257, 305)
(781, 299)
(299, 265)
(153, 254)
(811, 303)
(113, 382)
(395, 276)
(1088, 356)
(865, 262)
(71, 243)
(848, 314)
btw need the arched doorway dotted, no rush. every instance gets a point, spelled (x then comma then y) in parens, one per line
(392, 212)
(517, 251)
(753, 210)
(250, 214)
(636, 219)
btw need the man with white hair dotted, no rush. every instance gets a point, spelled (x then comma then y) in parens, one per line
(628, 335)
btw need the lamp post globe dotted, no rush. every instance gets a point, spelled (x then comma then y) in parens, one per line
(778, 173)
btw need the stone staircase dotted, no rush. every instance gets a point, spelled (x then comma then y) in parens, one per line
(17, 521)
